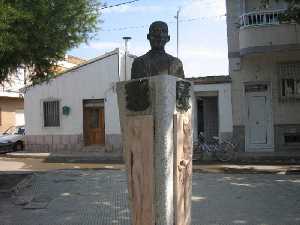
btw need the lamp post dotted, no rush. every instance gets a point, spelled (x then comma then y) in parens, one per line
(126, 39)
(177, 20)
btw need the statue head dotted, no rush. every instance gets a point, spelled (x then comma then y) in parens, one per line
(158, 35)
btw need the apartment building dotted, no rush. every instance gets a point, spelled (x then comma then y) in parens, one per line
(264, 65)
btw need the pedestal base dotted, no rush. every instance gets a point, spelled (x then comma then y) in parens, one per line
(156, 123)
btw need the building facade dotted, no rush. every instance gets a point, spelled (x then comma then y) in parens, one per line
(264, 65)
(77, 110)
(12, 99)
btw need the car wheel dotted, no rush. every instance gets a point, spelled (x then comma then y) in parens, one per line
(18, 146)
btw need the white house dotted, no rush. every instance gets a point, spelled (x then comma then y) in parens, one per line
(78, 109)
(213, 109)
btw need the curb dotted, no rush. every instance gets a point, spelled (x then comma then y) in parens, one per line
(65, 158)
(78, 159)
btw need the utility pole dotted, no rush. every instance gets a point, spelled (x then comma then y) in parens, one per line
(177, 19)
(126, 39)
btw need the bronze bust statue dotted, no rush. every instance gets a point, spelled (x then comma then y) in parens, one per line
(157, 61)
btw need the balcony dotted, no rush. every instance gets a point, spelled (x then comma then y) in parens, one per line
(262, 32)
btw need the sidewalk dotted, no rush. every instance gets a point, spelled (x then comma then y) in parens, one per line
(46, 162)
(247, 169)
(263, 158)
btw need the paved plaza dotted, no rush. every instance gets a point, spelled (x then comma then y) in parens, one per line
(93, 197)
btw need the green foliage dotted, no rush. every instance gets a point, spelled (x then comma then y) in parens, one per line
(38, 33)
(293, 11)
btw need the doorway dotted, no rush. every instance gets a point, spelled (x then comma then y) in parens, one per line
(93, 122)
(259, 124)
(208, 116)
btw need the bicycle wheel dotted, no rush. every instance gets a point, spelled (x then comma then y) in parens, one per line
(198, 153)
(225, 152)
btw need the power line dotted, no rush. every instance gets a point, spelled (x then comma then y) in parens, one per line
(204, 3)
(119, 4)
(170, 22)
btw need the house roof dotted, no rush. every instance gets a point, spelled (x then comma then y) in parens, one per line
(87, 62)
(210, 79)
(75, 60)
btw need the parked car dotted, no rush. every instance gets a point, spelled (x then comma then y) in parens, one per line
(12, 139)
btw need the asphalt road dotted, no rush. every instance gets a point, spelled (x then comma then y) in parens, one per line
(90, 197)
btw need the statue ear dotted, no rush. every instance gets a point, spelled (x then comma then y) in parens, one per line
(148, 36)
(168, 39)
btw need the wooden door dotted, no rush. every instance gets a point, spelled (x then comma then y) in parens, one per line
(94, 126)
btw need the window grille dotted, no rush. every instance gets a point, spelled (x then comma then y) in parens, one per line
(51, 114)
(292, 138)
(289, 81)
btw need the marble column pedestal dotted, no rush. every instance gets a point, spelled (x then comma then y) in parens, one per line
(156, 124)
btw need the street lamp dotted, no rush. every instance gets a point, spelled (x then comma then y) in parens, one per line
(126, 39)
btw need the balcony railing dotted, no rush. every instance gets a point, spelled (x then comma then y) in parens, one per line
(260, 18)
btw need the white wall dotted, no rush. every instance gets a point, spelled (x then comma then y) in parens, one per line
(95, 80)
(264, 68)
(224, 103)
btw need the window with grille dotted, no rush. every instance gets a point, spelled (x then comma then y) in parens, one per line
(289, 78)
(51, 113)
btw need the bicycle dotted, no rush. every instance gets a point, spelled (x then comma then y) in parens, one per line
(223, 150)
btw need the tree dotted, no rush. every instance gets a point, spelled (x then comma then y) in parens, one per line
(38, 33)
(292, 13)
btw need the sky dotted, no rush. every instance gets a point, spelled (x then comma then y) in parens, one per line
(202, 32)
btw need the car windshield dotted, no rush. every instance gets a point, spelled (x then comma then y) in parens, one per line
(15, 130)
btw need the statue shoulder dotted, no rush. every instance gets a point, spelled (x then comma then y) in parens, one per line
(174, 60)
(176, 66)
(140, 60)
(138, 67)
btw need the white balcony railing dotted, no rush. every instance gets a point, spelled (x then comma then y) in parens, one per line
(260, 18)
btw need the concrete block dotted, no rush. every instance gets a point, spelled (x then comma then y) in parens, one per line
(48, 139)
(40, 139)
(65, 139)
(73, 139)
(57, 139)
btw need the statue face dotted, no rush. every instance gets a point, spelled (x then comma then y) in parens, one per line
(158, 35)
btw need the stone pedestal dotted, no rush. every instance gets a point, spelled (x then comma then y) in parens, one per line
(156, 124)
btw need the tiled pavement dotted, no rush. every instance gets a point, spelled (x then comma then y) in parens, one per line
(92, 197)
